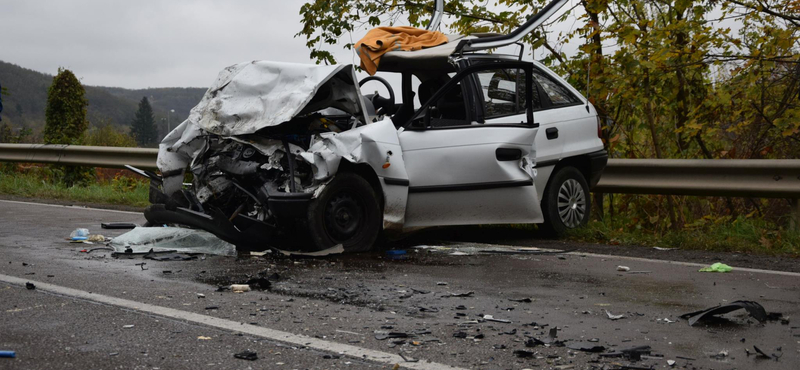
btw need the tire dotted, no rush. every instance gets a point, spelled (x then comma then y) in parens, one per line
(347, 212)
(566, 204)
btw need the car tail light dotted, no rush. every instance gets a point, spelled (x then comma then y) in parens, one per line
(599, 128)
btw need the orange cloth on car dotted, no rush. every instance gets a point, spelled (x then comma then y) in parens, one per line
(379, 41)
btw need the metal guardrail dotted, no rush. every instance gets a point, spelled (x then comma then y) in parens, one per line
(756, 178)
(96, 156)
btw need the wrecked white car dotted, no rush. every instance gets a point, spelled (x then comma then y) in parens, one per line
(294, 156)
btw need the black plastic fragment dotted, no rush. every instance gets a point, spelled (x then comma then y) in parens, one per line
(30, 286)
(247, 355)
(633, 353)
(753, 309)
(521, 353)
(586, 347)
(117, 225)
(259, 283)
(523, 300)
(156, 256)
(391, 335)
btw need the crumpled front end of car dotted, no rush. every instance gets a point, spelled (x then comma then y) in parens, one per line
(262, 144)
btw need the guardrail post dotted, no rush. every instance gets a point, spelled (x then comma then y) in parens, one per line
(794, 223)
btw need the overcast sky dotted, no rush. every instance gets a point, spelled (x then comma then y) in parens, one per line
(140, 44)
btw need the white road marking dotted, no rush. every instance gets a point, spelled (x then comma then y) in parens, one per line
(70, 207)
(277, 335)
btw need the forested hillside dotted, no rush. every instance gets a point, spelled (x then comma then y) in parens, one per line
(24, 105)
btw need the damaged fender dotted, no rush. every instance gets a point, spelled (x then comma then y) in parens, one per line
(375, 144)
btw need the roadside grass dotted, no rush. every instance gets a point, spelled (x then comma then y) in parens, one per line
(742, 234)
(118, 191)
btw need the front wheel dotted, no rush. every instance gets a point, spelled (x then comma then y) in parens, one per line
(347, 212)
(566, 202)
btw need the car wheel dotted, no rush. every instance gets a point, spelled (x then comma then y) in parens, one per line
(347, 212)
(566, 204)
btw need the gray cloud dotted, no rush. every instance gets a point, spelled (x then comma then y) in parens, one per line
(147, 43)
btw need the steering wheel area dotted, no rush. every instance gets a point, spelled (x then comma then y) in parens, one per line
(378, 101)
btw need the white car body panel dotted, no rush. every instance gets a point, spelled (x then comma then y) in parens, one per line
(454, 174)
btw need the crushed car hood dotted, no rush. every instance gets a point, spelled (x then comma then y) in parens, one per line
(250, 96)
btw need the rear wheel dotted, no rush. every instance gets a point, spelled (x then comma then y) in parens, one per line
(347, 212)
(566, 202)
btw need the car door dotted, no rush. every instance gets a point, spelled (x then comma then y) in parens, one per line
(463, 169)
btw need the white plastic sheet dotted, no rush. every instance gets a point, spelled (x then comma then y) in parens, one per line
(142, 239)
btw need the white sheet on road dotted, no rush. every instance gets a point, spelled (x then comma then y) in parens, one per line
(142, 239)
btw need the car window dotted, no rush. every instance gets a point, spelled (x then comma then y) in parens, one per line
(558, 94)
(504, 92)
(449, 109)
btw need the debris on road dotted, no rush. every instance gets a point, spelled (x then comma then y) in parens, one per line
(96, 238)
(382, 335)
(521, 353)
(117, 225)
(460, 295)
(127, 326)
(663, 249)
(671, 362)
(8, 354)
(633, 353)
(586, 347)
(247, 355)
(716, 267)
(240, 288)
(336, 249)
(79, 234)
(491, 318)
(761, 354)
(523, 300)
(753, 309)
(623, 268)
(614, 317)
(30, 286)
(166, 256)
(203, 338)
(175, 239)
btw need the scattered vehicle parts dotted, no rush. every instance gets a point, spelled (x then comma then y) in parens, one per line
(168, 256)
(586, 347)
(246, 355)
(240, 288)
(117, 225)
(614, 317)
(30, 286)
(754, 309)
(8, 354)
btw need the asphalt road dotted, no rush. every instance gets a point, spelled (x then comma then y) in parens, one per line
(334, 312)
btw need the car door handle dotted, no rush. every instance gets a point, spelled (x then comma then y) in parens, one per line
(508, 154)
(552, 133)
